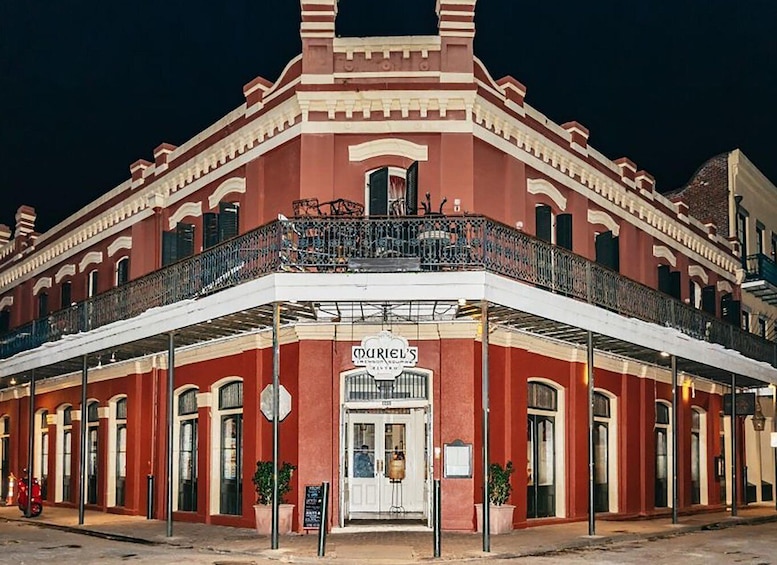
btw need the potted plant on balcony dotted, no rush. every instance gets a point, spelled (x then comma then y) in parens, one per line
(263, 481)
(499, 489)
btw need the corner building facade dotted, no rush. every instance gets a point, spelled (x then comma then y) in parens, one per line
(387, 193)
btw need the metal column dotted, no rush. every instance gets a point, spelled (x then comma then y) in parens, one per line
(590, 378)
(169, 446)
(734, 444)
(675, 497)
(486, 408)
(82, 455)
(30, 446)
(276, 368)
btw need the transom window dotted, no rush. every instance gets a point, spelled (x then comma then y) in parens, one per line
(601, 405)
(542, 397)
(362, 387)
(231, 396)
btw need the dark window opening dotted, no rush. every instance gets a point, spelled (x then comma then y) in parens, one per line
(122, 271)
(43, 304)
(178, 243)
(544, 219)
(564, 231)
(66, 294)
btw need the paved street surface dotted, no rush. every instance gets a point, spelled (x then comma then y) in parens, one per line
(707, 538)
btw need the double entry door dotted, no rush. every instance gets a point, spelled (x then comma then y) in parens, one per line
(376, 443)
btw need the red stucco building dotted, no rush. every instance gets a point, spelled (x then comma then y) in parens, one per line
(397, 203)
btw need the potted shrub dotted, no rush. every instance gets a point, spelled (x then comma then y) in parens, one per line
(263, 508)
(499, 489)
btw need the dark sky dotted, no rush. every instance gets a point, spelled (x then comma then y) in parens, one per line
(88, 86)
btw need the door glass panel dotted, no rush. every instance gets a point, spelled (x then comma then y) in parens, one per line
(187, 467)
(601, 468)
(91, 491)
(121, 463)
(695, 469)
(546, 463)
(67, 440)
(394, 445)
(364, 446)
(662, 467)
(44, 465)
(541, 479)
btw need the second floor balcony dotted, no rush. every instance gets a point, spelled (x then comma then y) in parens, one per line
(417, 246)
(761, 278)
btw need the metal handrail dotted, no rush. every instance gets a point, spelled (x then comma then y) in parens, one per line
(431, 243)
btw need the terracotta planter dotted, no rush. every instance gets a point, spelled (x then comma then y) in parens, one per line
(264, 518)
(500, 518)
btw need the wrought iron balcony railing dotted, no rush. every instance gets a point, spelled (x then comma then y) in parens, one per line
(761, 277)
(428, 243)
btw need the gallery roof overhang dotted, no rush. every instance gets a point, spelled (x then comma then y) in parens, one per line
(309, 298)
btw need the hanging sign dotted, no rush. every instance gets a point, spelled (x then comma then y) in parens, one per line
(384, 356)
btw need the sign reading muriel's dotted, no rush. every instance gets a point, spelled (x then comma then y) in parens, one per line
(385, 355)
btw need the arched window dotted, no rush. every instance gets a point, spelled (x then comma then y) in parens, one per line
(543, 451)
(117, 452)
(65, 294)
(92, 454)
(92, 284)
(122, 271)
(663, 439)
(230, 418)
(602, 454)
(186, 451)
(5, 452)
(64, 465)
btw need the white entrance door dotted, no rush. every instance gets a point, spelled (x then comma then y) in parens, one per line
(374, 441)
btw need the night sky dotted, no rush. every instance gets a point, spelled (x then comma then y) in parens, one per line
(88, 87)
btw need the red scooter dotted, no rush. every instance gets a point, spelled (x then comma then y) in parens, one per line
(37, 501)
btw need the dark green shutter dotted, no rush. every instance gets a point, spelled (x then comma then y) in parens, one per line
(43, 304)
(542, 215)
(185, 240)
(210, 229)
(228, 220)
(730, 309)
(604, 248)
(5, 321)
(663, 278)
(411, 190)
(169, 247)
(379, 192)
(708, 299)
(564, 231)
(66, 294)
(615, 255)
(122, 272)
(674, 284)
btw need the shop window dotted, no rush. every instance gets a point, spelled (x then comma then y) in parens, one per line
(230, 418)
(178, 243)
(117, 452)
(65, 484)
(65, 294)
(607, 251)
(221, 226)
(122, 271)
(5, 454)
(92, 453)
(662, 431)
(41, 466)
(698, 456)
(393, 192)
(186, 451)
(542, 451)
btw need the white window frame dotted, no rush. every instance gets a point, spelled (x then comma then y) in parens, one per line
(177, 438)
(40, 430)
(612, 447)
(60, 449)
(116, 270)
(91, 283)
(214, 501)
(703, 455)
(669, 454)
(392, 171)
(113, 422)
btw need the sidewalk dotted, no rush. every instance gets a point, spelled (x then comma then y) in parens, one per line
(382, 547)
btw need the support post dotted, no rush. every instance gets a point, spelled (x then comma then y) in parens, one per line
(169, 446)
(486, 409)
(82, 455)
(276, 367)
(734, 489)
(30, 446)
(322, 527)
(675, 434)
(591, 462)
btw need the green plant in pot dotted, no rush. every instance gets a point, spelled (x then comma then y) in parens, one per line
(263, 482)
(499, 487)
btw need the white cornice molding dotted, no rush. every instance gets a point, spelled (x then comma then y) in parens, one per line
(90, 258)
(43, 282)
(123, 242)
(185, 210)
(663, 252)
(68, 270)
(541, 186)
(600, 217)
(235, 184)
(385, 147)
(697, 271)
(6, 302)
